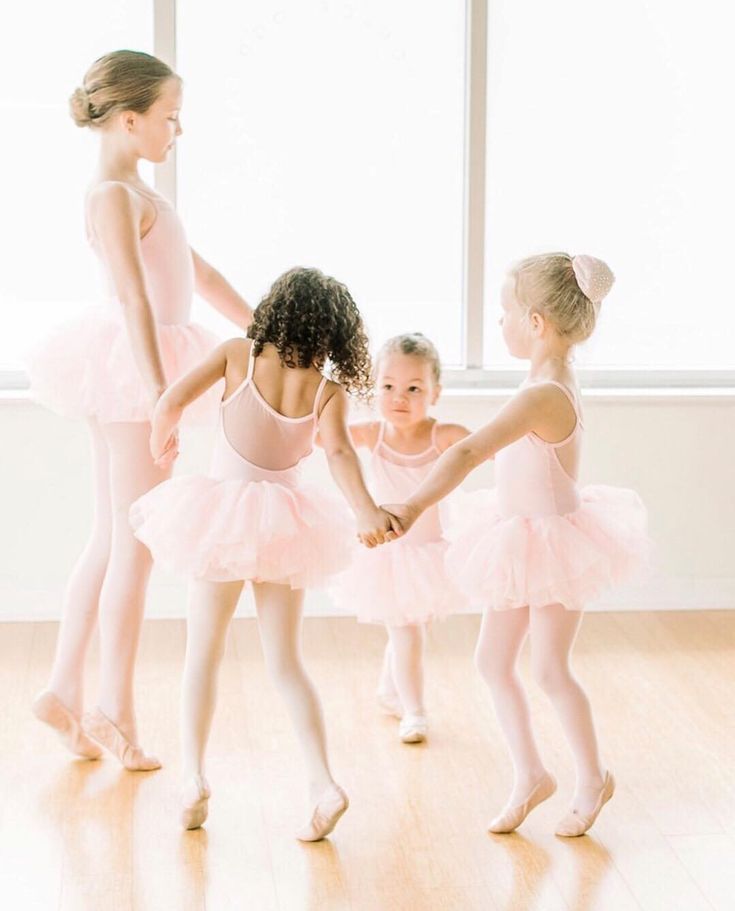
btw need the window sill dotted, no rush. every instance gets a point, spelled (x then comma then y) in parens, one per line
(465, 394)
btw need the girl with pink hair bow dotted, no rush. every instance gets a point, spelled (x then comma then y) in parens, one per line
(543, 547)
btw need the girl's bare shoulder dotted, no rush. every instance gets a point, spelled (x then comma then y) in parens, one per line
(449, 434)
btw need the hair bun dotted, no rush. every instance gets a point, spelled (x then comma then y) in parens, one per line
(594, 277)
(80, 107)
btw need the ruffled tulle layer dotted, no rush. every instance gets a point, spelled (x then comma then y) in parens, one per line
(85, 368)
(520, 561)
(226, 530)
(398, 584)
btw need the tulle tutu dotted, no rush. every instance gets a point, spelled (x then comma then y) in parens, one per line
(85, 368)
(513, 562)
(398, 584)
(226, 530)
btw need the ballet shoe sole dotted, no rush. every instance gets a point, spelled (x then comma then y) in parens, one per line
(49, 710)
(496, 828)
(607, 793)
(305, 836)
(99, 728)
(195, 816)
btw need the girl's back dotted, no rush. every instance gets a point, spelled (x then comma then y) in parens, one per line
(270, 418)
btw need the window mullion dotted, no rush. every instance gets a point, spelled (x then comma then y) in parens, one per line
(473, 271)
(164, 46)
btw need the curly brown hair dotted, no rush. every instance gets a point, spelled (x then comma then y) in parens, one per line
(311, 319)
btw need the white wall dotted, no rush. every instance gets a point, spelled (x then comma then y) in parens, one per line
(675, 448)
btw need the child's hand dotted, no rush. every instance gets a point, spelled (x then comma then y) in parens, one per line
(376, 526)
(165, 455)
(402, 513)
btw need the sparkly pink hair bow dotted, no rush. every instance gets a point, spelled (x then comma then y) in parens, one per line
(594, 277)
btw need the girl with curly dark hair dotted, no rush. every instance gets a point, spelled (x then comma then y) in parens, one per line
(254, 518)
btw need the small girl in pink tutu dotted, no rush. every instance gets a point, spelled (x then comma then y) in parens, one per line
(254, 518)
(546, 547)
(404, 586)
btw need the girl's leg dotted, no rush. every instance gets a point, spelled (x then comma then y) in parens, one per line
(386, 685)
(81, 598)
(279, 618)
(553, 631)
(502, 635)
(407, 665)
(122, 600)
(211, 606)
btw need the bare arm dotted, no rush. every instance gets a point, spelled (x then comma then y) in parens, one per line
(217, 291)
(171, 405)
(526, 412)
(449, 434)
(361, 434)
(374, 525)
(116, 219)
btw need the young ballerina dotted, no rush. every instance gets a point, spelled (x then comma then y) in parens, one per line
(548, 547)
(405, 586)
(254, 519)
(110, 367)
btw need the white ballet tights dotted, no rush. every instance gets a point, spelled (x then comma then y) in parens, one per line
(109, 580)
(552, 630)
(279, 608)
(404, 661)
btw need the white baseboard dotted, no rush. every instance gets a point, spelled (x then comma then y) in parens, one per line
(168, 600)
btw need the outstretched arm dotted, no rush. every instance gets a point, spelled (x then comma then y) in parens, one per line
(171, 405)
(217, 291)
(374, 525)
(523, 414)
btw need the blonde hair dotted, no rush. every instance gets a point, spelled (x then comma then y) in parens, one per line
(547, 284)
(416, 344)
(120, 81)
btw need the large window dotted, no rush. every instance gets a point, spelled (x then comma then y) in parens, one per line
(330, 134)
(366, 139)
(608, 132)
(48, 271)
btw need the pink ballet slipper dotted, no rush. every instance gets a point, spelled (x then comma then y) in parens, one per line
(48, 708)
(195, 803)
(413, 729)
(99, 727)
(575, 824)
(330, 807)
(512, 817)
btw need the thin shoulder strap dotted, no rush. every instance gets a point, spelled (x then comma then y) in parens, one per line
(248, 377)
(381, 436)
(318, 398)
(568, 393)
(153, 198)
(251, 364)
(575, 405)
(434, 430)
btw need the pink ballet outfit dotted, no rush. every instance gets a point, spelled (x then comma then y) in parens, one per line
(253, 517)
(85, 368)
(541, 540)
(403, 582)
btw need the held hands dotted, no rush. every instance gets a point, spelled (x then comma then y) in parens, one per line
(164, 440)
(376, 526)
(165, 455)
(405, 514)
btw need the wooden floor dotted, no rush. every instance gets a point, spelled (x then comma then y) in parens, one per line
(77, 835)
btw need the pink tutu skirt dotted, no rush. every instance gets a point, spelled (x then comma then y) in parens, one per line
(513, 562)
(227, 530)
(85, 368)
(398, 584)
